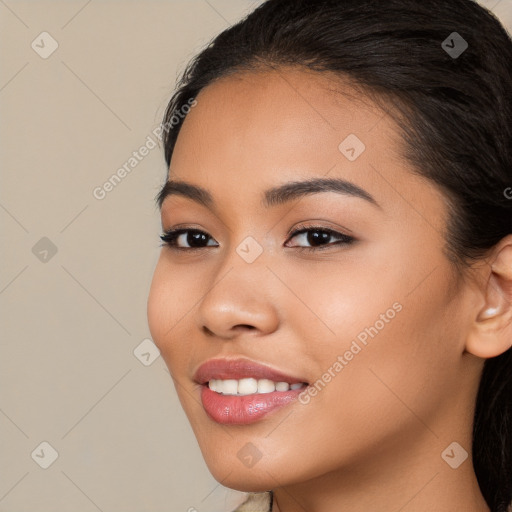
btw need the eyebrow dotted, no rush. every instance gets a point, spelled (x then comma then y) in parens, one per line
(271, 197)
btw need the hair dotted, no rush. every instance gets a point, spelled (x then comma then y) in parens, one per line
(455, 116)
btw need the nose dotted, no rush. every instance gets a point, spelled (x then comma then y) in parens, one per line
(239, 301)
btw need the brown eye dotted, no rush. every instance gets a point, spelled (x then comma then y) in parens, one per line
(193, 237)
(318, 238)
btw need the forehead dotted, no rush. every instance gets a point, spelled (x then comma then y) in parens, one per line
(289, 105)
(280, 119)
(251, 131)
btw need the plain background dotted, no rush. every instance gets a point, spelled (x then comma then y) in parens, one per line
(72, 319)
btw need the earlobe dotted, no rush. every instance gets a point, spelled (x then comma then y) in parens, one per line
(495, 301)
(491, 333)
(488, 313)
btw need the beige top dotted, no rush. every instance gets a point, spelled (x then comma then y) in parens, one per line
(256, 502)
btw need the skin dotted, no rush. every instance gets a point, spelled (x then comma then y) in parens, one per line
(372, 438)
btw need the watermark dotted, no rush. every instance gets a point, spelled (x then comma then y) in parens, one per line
(146, 352)
(249, 249)
(454, 45)
(44, 250)
(352, 147)
(454, 455)
(121, 173)
(151, 142)
(249, 455)
(355, 348)
(508, 192)
(175, 119)
(44, 454)
(44, 45)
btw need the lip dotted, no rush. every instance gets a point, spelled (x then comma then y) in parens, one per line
(238, 369)
(244, 409)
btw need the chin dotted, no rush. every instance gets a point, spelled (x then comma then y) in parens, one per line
(246, 481)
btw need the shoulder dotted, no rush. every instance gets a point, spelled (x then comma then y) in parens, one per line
(256, 502)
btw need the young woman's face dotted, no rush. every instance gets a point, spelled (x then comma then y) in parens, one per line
(375, 326)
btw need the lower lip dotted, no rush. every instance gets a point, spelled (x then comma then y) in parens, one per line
(246, 409)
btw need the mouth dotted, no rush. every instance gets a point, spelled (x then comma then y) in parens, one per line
(240, 391)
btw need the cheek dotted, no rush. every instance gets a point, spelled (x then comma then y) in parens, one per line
(333, 303)
(399, 372)
(157, 305)
(167, 308)
(396, 336)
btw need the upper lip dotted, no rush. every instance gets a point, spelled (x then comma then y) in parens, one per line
(239, 369)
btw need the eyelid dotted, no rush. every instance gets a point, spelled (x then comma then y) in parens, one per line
(320, 225)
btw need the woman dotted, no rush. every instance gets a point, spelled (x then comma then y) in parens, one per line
(334, 295)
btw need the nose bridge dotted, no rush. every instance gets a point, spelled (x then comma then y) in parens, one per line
(250, 245)
(248, 257)
(238, 295)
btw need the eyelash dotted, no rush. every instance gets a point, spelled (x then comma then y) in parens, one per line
(170, 237)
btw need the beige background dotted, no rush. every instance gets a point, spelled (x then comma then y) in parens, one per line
(71, 321)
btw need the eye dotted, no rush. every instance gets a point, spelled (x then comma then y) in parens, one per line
(193, 237)
(318, 237)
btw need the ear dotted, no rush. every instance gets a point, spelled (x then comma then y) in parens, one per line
(491, 333)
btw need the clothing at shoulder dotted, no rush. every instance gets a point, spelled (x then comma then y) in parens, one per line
(256, 502)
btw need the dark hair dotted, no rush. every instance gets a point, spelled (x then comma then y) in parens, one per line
(455, 113)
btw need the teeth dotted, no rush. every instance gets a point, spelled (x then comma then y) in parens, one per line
(266, 386)
(230, 387)
(249, 386)
(282, 386)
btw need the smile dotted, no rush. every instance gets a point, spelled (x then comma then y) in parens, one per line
(240, 391)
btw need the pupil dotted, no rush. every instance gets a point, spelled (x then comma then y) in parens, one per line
(196, 237)
(313, 239)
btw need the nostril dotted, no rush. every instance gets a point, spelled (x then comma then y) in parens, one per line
(209, 332)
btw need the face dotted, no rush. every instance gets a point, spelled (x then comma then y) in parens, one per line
(345, 288)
